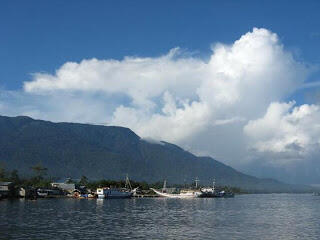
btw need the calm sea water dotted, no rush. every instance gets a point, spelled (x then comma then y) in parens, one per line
(270, 216)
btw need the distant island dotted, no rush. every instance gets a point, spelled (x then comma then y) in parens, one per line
(109, 152)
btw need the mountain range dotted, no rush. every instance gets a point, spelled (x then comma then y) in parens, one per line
(111, 152)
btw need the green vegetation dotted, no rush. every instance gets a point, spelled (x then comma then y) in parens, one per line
(39, 171)
(36, 181)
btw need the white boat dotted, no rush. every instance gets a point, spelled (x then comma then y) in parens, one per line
(209, 192)
(182, 194)
(42, 192)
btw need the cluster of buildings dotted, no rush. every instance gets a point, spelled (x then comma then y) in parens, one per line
(57, 189)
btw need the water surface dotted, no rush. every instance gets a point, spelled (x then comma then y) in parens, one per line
(261, 216)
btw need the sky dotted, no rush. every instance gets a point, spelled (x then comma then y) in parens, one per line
(235, 80)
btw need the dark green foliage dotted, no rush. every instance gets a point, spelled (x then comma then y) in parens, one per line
(34, 181)
(100, 152)
(2, 172)
(84, 181)
(14, 177)
(39, 170)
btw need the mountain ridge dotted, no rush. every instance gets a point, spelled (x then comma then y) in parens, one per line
(75, 149)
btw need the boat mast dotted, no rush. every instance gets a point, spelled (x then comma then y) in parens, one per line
(164, 188)
(213, 185)
(197, 181)
(128, 184)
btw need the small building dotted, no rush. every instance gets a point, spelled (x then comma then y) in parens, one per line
(68, 187)
(6, 189)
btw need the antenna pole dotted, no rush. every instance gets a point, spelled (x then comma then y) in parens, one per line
(197, 181)
(128, 184)
(214, 183)
(164, 186)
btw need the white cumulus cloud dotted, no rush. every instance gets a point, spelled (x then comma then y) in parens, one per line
(207, 106)
(286, 130)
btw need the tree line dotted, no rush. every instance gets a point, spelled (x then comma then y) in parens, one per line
(40, 179)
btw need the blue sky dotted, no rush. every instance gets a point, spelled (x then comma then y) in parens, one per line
(39, 36)
(157, 68)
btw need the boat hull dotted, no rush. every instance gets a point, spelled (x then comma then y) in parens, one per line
(181, 196)
(216, 195)
(113, 193)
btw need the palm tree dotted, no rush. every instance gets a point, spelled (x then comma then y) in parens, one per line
(84, 181)
(39, 170)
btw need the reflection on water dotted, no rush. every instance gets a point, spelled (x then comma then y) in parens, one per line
(271, 216)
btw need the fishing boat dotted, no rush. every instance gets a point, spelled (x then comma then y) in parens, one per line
(42, 192)
(184, 193)
(211, 192)
(126, 192)
(114, 193)
(205, 192)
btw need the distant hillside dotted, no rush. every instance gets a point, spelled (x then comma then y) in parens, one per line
(73, 150)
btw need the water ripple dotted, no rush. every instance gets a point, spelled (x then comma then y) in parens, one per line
(270, 216)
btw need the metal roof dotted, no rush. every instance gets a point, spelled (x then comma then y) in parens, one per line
(5, 183)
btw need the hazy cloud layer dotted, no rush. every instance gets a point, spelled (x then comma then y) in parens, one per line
(235, 98)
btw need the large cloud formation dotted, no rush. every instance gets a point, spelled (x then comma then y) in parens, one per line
(290, 132)
(235, 98)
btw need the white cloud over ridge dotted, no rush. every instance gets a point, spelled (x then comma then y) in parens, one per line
(292, 133)
(237, 95)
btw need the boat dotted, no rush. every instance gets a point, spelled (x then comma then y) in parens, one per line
(184, 193)
(207, 192)
(221, 194)
(213, 193)
(114, 193)
(126, 192)
(42, 192)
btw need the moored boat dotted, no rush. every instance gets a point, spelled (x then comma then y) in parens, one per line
(221, 194)
(126, 192)
(42, 192)
(187, 193)
(213, 193)
(184, 193)
(207, 192)
(114, 193)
